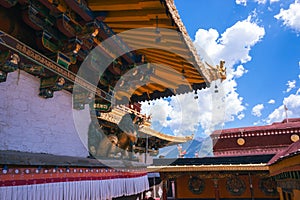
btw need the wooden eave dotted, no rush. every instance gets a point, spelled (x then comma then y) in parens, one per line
(122, 16)
(116, 114)
(156, 33)
(168, 138)
(287, 164)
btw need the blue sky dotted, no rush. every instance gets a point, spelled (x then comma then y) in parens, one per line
(260, 42)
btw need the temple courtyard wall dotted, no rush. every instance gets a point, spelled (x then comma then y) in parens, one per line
(30, 123)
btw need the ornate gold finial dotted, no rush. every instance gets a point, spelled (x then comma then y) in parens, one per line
(222, 70)
(219, 69)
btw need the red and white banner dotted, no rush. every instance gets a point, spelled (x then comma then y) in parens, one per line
(70, 183)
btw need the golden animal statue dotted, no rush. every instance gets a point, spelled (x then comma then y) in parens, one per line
(221, 69)
(114, 142)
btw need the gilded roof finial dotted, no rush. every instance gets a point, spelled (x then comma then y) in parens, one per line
(219, 69)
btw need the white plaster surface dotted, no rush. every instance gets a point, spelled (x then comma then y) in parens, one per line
(30, 123)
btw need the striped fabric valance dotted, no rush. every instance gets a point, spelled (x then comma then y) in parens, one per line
(70, 183)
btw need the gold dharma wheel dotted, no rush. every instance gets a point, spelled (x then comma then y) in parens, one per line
(241, 141)
(294, 137)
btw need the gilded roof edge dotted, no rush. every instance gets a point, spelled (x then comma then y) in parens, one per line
(208, 74)
(189, 168)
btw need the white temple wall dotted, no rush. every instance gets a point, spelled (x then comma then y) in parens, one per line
(30, 123)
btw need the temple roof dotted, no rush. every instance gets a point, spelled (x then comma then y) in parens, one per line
(286, 161)
(155, 139)
(234, 163)
(256, 140)
(292, 150)
(234, 160)
(162, 14)
(290, 124)
(178, 68)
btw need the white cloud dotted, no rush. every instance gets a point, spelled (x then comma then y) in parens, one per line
(159, 110)
(291, 85)
(261, 1)
(185, 113)
(226, 47)
(240, 71)
(291, 16)
(208, 41)
(271, 101)
(241, 116)
(241, 2)
(256, 110)
(244, 2)
(180, 113)
(258, 123)
(292, 103)
(273, 1)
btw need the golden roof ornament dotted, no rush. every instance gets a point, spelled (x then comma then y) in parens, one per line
(220, 70)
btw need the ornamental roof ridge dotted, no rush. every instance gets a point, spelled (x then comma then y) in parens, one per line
(208, 74)
(291, 123)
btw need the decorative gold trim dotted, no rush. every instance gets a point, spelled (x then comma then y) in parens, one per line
(208, 75)
(195, 168)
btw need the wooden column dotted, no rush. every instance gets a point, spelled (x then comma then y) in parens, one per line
(216, 187)
(251, 186)
(165, 189)
(279, 190)
(154, 188)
